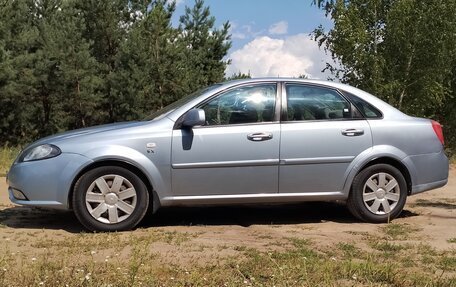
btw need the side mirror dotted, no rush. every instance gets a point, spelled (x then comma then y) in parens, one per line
(194, 117)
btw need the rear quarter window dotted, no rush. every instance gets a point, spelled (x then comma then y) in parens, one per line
(366, 109)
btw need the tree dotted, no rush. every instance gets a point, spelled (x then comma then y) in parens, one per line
(323, 4)
(17, 38)
(400, 50)
(206, 46)
(151, 62)
(107, 24)
(238, 76)
(78, 71)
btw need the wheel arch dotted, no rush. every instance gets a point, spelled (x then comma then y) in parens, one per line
(393, 162)
(154, 201)
(386, 154)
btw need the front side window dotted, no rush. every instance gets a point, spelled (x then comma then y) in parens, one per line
(315, 103)
(243, 105)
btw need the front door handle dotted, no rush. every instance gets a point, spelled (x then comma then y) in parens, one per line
(352, 132)
(258, 137)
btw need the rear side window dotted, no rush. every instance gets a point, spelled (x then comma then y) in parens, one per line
(315, 103)
(366, 109)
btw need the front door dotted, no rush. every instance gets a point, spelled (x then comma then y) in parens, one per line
(236, 151)
(321, 135)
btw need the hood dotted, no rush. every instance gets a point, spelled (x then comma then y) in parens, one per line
(88, 131)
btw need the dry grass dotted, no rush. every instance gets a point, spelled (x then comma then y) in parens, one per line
(127, 260)
(7, 156)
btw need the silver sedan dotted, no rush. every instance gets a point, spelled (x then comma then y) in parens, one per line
(248, 141)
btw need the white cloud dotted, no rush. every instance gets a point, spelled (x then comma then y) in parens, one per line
(289, 57)
(279, 28)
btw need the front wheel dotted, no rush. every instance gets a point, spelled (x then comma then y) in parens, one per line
(110, 198)
(378, 194)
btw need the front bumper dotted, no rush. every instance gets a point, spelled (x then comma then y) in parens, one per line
(45, 183)
(428, 171)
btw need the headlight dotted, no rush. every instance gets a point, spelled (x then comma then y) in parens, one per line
(40, 152)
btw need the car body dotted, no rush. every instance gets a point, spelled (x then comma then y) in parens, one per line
(271, 140)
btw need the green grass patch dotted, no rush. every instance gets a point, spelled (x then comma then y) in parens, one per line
(453, 159)
(349, 250)
(448, 263)
(388, 247)
(399, 231)
(7, 156)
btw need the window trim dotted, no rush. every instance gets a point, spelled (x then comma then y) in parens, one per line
(284, 114)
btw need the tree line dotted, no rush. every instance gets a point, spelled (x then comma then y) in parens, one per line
(67, 64)
(403, 51)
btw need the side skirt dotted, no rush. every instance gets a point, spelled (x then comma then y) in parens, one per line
(251, 198)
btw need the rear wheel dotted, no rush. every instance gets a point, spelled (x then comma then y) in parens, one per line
(110, 198)
(378, 194)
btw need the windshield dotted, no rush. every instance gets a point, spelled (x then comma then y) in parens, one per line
(171, 107)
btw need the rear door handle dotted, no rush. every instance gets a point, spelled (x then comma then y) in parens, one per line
(258, 137)
(352, 132)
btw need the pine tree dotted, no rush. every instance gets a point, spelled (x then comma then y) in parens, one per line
(152, 61)
(206, 46)
(78, 70)
(18, 43)
(106, 27)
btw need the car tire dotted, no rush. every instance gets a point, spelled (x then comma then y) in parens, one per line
(110, 198)
(378, 194)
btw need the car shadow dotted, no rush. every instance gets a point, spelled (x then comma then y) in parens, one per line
(22, 217)
(310, 212)
(250, 215)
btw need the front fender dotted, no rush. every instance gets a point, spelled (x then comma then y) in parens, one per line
(158, 173)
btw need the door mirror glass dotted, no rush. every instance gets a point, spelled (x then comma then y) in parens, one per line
(194, 117)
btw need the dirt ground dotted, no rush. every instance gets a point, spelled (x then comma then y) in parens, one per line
(211, 233)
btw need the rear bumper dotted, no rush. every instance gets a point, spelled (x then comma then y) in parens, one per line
(428, 171)
(428, 186)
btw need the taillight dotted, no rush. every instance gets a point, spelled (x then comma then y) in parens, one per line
(438, 131)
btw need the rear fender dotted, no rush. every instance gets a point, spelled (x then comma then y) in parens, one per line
(380, 151)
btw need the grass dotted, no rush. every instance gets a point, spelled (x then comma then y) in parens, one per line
(7, 156)
(85, 260)
(398, 231)
(453, 159)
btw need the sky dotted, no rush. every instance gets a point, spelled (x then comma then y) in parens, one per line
(270, 37)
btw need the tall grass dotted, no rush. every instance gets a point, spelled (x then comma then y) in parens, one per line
(7, 156)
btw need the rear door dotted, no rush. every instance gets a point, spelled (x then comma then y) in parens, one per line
(236, 152)
(321, 134)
